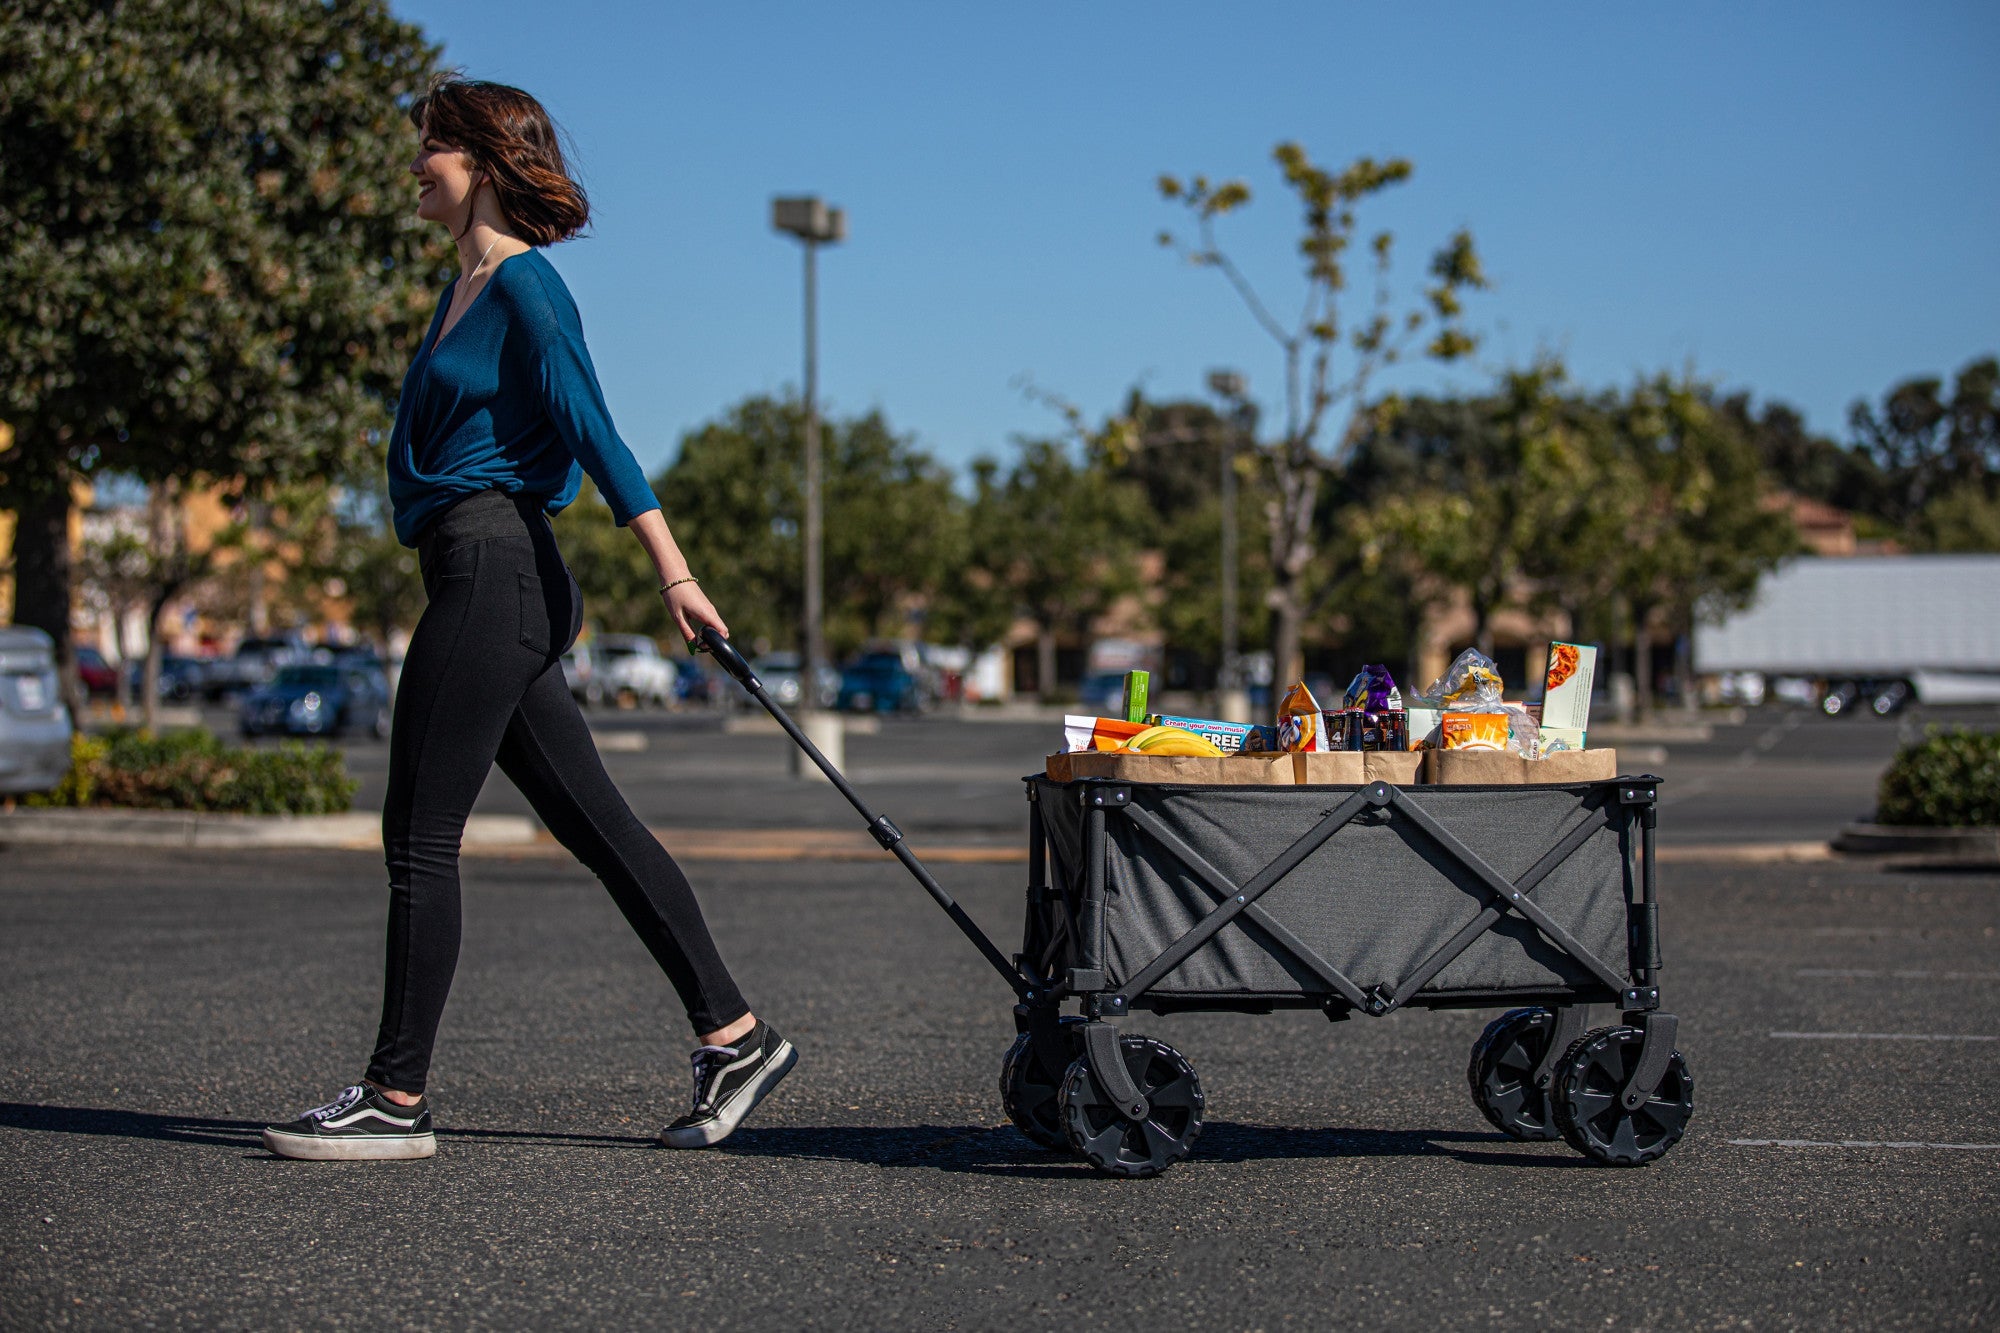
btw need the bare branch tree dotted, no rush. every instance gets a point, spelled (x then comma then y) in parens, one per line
(1329, 370)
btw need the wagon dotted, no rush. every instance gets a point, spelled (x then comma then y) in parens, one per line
(1355, 901)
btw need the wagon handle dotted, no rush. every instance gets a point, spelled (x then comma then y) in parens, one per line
(884, 831)
(725, 655)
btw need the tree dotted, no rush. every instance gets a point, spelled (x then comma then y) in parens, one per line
(895, 528)
(1845, 477)
(1698, 534)
(208, 262)
(1927, 446)
(1510, 497)
(1329, 362)
(346, 547)
(1054, 540)
(1173, 451)
(621, 589)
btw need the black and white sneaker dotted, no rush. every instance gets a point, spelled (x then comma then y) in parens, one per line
(360, 1125)
(728, 1082)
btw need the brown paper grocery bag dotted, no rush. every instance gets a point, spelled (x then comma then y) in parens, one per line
(1398, 767)
(1490, 767)
(1475, 767)
(1256, 770)
(1332, 768)
(1575, 766)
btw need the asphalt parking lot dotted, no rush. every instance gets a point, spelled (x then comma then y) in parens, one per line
(1840, 1020)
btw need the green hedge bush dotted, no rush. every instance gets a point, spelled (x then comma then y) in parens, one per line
(1948, 779)
(192, 770)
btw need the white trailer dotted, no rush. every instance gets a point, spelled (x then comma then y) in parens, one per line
(1876, 631)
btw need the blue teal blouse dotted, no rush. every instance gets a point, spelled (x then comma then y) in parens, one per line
(508, 401)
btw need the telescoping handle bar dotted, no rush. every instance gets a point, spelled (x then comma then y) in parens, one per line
(885, 832)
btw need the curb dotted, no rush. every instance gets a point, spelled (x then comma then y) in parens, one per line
(1979, 845)
(184, 828)
(1743, 853)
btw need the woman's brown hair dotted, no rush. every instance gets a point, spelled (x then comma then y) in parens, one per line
(511, 138)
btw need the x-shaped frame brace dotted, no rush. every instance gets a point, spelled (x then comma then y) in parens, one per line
(1238, 901)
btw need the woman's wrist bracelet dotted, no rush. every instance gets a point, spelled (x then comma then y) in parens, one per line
(675, 583)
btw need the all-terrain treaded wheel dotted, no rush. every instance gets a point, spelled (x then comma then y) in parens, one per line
(1031, 1083)
(1099, 1133)
(1588, 1110)
(1501, 1073)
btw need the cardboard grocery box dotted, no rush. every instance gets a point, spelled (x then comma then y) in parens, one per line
(1333, 768)
(1566, 687)
(1558, 740)
(1256, 770)
(1505, 768)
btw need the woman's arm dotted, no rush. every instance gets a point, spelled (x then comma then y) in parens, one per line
(686, 602)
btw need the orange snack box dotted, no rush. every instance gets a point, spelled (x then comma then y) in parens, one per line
(1472, 731)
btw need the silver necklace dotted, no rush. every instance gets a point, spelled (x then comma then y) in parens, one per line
(482, 261)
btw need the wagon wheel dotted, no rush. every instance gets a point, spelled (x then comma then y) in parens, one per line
(1030, 1081)
(1501, 1073)
(1098, 1131)
(1588, 1111)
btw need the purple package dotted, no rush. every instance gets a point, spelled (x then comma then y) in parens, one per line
(1374, 690)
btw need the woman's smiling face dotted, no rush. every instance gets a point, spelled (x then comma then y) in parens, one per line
(445, 181)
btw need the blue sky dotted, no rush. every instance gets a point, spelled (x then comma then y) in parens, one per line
(1798, 200)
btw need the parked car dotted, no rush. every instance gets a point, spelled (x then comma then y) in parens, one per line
(630, 666)
(254, 662)
(98, 676)
(34, 725)
(693, 684)
(1102, 694)
(580, 674)
(781, 674)
(180, 677)
(881, 683)
(310, 699)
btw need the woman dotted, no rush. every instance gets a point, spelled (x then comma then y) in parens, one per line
(499, 418)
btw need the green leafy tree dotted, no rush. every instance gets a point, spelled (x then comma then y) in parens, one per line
(1964, 520)
(1699, 532)
(1055, 540)
(895, 527)
(1843, 476)
(1510, 497)
(208, 260)
(1174, 452)
(1330, 359)
(343, 545)
(621, 589)
(1927, 445)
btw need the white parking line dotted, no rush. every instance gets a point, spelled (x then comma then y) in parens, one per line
(1878, 1036)
(1859, 1143)
(1900, 974)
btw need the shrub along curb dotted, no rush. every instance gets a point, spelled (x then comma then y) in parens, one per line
(1977, 845)
(183, 828)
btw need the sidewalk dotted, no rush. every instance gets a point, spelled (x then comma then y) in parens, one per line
(516, 835)
(185, 828)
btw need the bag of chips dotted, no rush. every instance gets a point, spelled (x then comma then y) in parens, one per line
(1471, 684)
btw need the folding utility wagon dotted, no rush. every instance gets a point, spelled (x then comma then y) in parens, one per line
(1349, 900)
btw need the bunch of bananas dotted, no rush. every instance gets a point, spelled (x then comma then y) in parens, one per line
(1171, 741)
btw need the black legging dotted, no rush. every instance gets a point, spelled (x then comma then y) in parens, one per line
(483, 681)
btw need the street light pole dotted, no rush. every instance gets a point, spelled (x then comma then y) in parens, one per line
(809, 219)
(814, 224)
(814, 537)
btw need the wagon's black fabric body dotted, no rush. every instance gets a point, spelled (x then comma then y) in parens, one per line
(1375, 901)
